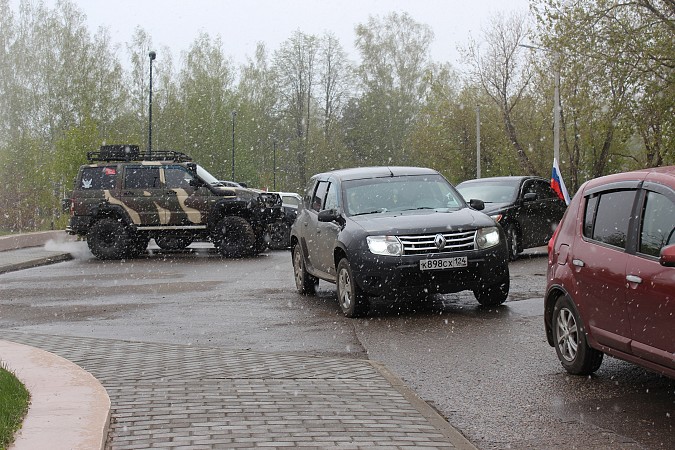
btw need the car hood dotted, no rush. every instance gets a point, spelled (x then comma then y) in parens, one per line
(422, 221)
(495, 207)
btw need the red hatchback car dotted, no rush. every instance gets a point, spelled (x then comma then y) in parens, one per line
(611, 274)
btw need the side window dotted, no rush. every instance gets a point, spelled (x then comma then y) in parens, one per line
(176, 177)
(141, 177)
(658, 224)
(98, 178)
(331, 197)
(543, 190)
(611, 217)
(309, 192)
(528, 188)
(319, 195)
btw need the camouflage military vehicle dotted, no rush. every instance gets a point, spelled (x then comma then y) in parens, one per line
(123, 198)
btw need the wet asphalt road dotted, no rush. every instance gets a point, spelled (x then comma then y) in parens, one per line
(489, 371)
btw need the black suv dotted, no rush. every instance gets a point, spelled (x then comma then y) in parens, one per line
(395, 232)
(526, 207)
(124, 198)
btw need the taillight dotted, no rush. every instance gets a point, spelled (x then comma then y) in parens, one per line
(551, 243)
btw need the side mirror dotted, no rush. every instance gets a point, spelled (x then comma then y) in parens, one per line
(196, 182)
(529, 197)
(331, 215)
(667, 256)
(477, 204)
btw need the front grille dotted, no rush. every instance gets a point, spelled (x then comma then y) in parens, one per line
(425, 243)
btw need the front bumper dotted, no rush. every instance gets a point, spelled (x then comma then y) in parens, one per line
(386, 275)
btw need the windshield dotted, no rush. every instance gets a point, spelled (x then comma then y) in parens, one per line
(489, 192)
(207, 177)
(403, 193)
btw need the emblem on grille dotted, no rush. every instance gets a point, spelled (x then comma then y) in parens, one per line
(439, 240)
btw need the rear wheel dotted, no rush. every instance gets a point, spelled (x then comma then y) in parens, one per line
(351, 298)
(234, 237)
(304, 282)
(571, 346)
(109, 238)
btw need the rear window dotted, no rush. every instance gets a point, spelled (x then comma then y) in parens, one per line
(98, 177)
(607, 216)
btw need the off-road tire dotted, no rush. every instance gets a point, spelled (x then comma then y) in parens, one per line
(569, 336)
(305, 283)
(109, 238)
(493, 294)
(234, 237)
(353, 302)
(168, 241)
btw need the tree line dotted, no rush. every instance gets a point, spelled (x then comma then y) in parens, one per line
(306, 107)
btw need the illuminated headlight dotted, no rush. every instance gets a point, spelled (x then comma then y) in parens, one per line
(385, 245)
(487, 237)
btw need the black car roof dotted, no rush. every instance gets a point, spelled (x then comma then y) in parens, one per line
(516, 179)
(358, 173)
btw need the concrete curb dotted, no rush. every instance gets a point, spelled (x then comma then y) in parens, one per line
(69, 408)
(37, 239)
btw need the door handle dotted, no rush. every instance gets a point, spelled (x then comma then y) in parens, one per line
(578, 263)
(633, 279)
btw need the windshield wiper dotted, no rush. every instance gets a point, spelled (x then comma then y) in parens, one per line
(370, 212)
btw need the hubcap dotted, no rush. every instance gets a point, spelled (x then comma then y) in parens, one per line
(345, 289)
(297, 265)
(567, 334)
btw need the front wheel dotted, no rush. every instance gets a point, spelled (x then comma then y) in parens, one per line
(351, 298)
(493, 294)
(571, 346)
(512, 241)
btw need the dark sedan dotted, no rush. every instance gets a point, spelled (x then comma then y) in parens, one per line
(526, 207)
(401, 232)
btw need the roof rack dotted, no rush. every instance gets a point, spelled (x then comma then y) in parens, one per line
(132, 153)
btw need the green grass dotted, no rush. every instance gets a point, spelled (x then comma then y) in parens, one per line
(14, 400)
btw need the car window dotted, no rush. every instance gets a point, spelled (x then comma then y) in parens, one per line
(98, 177)
(658, 224)
(331, 197)
(607, 216)
(319, 195)
(543, 189)
(176, 177)
(141, 178)
(290, 200)
(489, 192)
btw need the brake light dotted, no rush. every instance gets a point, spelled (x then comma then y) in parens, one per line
(551, 243)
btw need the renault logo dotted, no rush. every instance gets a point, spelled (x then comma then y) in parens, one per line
(439, 240)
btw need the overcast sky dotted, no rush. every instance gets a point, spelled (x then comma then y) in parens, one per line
(243, 23)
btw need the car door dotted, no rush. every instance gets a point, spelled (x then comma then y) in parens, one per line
(327, 233)
(142, 193)
(600, 259)
(180, 197)
(310, 222)
(651, 286)
(531, 215)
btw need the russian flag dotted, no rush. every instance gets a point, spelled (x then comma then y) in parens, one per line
(558, 184)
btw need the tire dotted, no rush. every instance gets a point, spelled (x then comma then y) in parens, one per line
(235, 237)
(512, 241)
(170, 241)
(304, 282)
(569, 337)
(353, 302)
(494, 294)
(280, 236)
(109, 238)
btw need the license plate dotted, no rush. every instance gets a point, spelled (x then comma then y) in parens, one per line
(443, 263)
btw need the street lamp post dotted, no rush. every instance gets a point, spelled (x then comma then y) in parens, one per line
(234, 115)
(477, 141)
(152, 55)
(556, 100)
(274, 167)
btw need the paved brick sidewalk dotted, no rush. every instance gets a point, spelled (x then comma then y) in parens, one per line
(175, 396)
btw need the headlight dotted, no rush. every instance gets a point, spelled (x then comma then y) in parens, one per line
(385, 245)
(487, 237)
